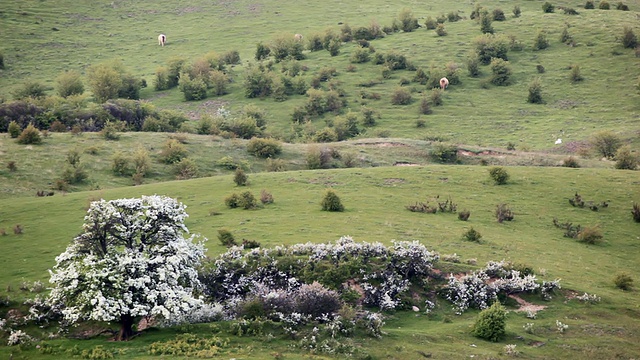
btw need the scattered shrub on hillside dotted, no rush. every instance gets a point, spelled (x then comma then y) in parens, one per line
(161, 80)
(331, 201)
(435, 97)
(408, 22)
(535, 92)
(606, 143)
(360, 55)
(589, 5)
(625, 159)
(11, 166)
(473, 66)
(499, 175)
(540, 42)
(14, 129)
(491, 46)
(629, 39)
(516, 11)
(276, 165)
(476, 12)
(111, 130)
(430, 23)
(369, 116)
(258, 82)
(635, 212)
(30, 89)
(604, 5)
(547, 7)
(401, 96)
(491, 323)
(623, 281)
(1, 61)
(425, 109)
(504, 213)
(226, 238)
(472, 235)
(622, 6)
(440, 30)
(565, 37)
(30, 135)
(444, 153)
(173, 151)
(262, 51)
(485, 24)
(498, 15)
(453, 16)
(193, 89)
(248, 201)
(318, 158)
(570, 162)
(266, 197)
(264, 148)
(185, 168)
(590, 235)
(120, 164)
(69, 83)
(540, 69)
(111, 80)
(240, 178)
(501, 72)
(464, 215)
(334, 47)
(232, 201)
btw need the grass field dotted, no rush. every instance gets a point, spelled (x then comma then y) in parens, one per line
(39, 40)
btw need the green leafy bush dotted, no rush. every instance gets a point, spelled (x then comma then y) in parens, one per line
(331, 201)
(504, 213)
(547, 7)
(604, 5)
(570, 162)
(622, 6)
(472, 235)
(14, 129)
(186, 168)
(30, 135)
(120, 164)
(498, 15)
(264, 148)
(401, 96)
(430, 23)
(111, 130)
(629, 39)
(635, 211)
(232, 201)
(485, 24)
(240, 178)
(516, 11)
(69, 83)
(248, 201)
(440, 30)
(623, 281)
(606, 143)
(590, 235)
(192, 89)
(589, 5)
(173, 151)
(541, 42)
(444, 153)
(490, 46)
(499, 175)
(226, 238)
(30, 89)
(535, 92)
(491, 323)
(625, 159)
(501, 72)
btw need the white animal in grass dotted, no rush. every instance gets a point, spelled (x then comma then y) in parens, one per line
(298, 37)
(162, 39)
(444, 83)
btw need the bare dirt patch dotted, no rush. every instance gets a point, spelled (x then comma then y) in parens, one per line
(382, 144)
(526, 306)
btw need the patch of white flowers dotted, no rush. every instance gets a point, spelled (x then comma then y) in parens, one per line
(561, 327)
(18, 337)
(589, 298)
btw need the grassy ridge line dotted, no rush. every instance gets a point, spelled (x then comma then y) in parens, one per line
(374, 199)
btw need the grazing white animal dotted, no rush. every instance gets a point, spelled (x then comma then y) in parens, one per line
(444, 83)
(298, 37)
(162, 38)
(415, 308)
(559, 141)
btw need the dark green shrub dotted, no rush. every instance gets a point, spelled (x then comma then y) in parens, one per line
(453, 16)
(516, 11)
(248, 201)
(498, 15)
(257, 82)
(489, 47)
(606, 143)
(244, 127)
(485, 24)
(331, 201)
(69, 83)
(334, 47)
(504, 213)
(232, 201)
(623, 281)
(30, 135)
(625, 159)
(1, 61)
(14, 129)
(535, 92)
(491, 323)
(173, 151)
(541, 41)
(425, 109)
(547, 7)
(473, 66)
(477, 12)
(444, 153)
(360, 55)
(226, 238)
(604, 5)
(30, 89)
(318, 158)
(74, 175)
(231, 57)
(346, 34)
(440, 30)
(565, 37)
(369, 116)
(464, 215)
(499, 175)
(622, 6)
(262, 51)
(575, 75)
(395, 61)
(540, 69)
(161, 80)
(589, 5)
(430, 23)
(636, 212)
(570, 11)
(401, 96)
(570, 162)
(325, 135)
(240, 178)
(408, 22)
(629, 39)
(472, 235)
(264, 148)
(501, 72)
(192, 89)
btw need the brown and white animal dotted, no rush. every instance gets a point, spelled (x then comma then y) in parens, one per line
(162, 38)
(444, 83)
(298, 37)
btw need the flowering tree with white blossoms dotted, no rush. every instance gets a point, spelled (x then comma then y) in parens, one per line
(130, 261)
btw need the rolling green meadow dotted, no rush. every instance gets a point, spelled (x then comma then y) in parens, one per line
(376, 173)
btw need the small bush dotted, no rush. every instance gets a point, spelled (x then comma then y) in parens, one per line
(440, 30)
(491, 323)
(276, 165)
(232, 201)
(30, 135)
(472, 235)
(516, 11)
(604, 5)
(111, 129)
(464, 215)
(540, 69)
(14, 129)
(430, 23)
(425, 109)
(485, 24)
(625, 159)
(503, 213)
(629, 39)
(547, 7)
(623, 281)
(401, 96)
(173, 151)
(11, 165)
(316, 300)
(540, 42)
(69, 83)
(248, 201)
(589, 5)
(331, 202)
(266, 197)
(30, 89)
(360, 55)
(120, 164)
(635, 212)
(565, 37)
(226, 238)
(18, 229)
(499, 175)
(606, 143)
(575, 76)
(444, 153)
(498, 15)
(435, 97)
(570, 162)
(185, 169)
(535, 92)
(590, 235)
(622, 6)
(570, 11)
(501, 70)
(73, 175)
(240, 178)
(264, 148)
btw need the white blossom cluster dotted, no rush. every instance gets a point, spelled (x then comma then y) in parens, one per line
(131, 260)
(589, 298)
(18, 337)
(548, 288)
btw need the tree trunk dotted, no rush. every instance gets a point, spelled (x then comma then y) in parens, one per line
(126, 328)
